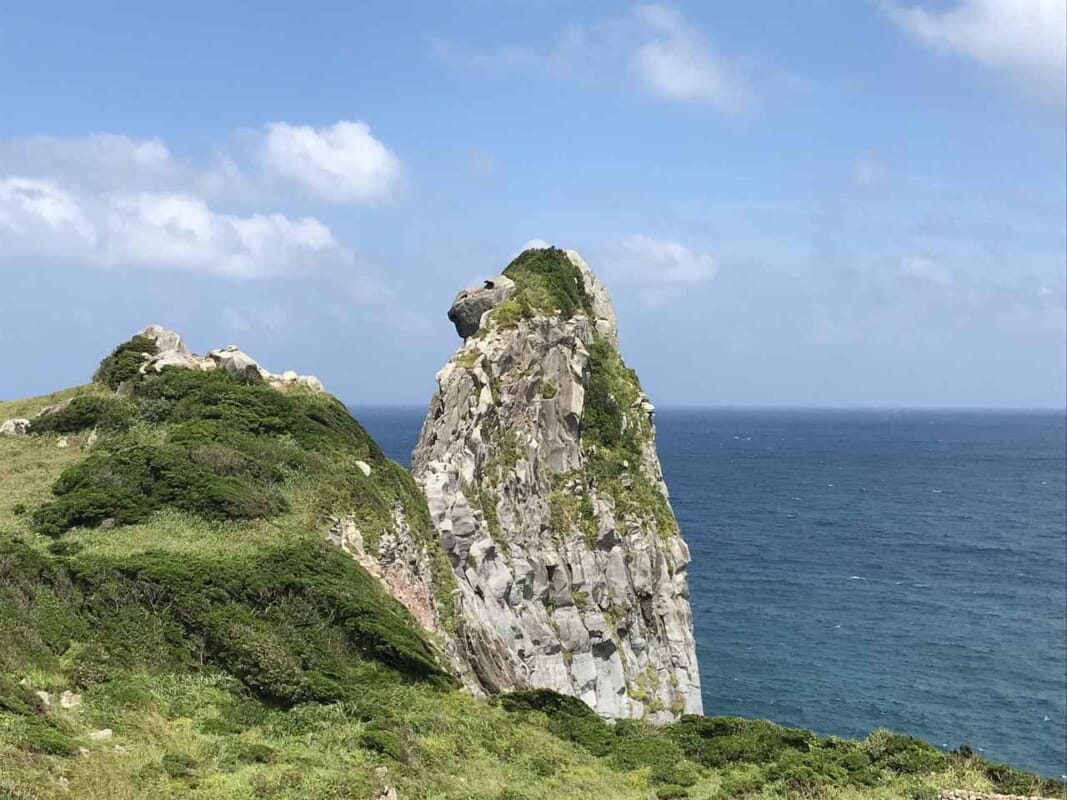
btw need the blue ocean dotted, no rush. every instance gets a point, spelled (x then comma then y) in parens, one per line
(863, 569)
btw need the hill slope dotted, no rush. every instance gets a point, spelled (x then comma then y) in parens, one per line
(175, 624)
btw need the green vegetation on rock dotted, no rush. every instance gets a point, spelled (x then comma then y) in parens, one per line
(125, 361)
(546, 281)
(615, 429)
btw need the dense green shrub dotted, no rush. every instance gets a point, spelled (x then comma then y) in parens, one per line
(38, 735)
(234, 407)
(720, 741)
(902, 754)
(84, 412)
(125, 361)
(671, 791)
(179, 765)
(294, 624)
(546, 281)
(129, 484)
(568, 717)
(638, 744)
(16, 698)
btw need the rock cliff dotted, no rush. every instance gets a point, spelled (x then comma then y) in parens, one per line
(538, 461)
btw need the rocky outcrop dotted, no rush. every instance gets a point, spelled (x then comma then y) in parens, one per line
(538, 462)
(471, 304)
(172, 352)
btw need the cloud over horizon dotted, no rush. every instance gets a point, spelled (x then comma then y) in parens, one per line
(112, 201)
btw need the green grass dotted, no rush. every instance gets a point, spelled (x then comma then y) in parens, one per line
(239, 656)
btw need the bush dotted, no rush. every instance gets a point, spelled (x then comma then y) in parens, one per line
(179, 765)
(256, 753)
(640, 745)
(721, 741)
(546, 281)
(568, 717)
(39, 736)
(125, 361)
(386, 742)
(84, 412)
(671, 791)
(904, 755)
(128, 485)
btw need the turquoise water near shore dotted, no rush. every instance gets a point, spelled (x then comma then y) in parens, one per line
(862, 569)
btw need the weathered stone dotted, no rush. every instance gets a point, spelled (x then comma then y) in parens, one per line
(471, 304)
(236, 362)
(600, 612)
(101, 735)
(70, 700)
(15, 427)
(363, 467)
(165, 339)
(172, 352)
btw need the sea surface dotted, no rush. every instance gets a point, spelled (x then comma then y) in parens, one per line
(862, 569)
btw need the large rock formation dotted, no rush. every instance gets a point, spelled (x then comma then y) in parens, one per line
(538, 462)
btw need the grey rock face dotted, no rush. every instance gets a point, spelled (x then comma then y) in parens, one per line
(562, 585)
(471, 304)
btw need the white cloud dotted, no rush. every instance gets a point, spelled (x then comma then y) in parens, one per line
(42, 221)
(677, 64)
(1025, 39)
(341, 164)
(659, 268)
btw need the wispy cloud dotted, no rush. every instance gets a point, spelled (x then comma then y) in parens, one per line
(1025, 40)
(676, 63)
(657, 269)
(655, 47)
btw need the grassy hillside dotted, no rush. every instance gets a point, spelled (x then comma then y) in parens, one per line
(173, 576)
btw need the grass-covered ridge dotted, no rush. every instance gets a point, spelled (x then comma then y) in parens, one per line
(236, 656)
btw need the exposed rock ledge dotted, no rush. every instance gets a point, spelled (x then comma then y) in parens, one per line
(172, 352)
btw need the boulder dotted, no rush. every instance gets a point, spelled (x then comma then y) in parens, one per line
(236, 362)
(471, 304)
(15, 427)
(165, 339)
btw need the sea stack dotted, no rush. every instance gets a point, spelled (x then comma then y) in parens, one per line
(538, 461)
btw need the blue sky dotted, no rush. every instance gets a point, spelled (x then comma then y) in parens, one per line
(792, 203)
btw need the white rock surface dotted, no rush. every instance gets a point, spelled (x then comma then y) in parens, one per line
(236, 362)
(14, 427)
(602, 613)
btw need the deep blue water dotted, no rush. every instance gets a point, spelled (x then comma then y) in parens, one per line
(855, 570)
